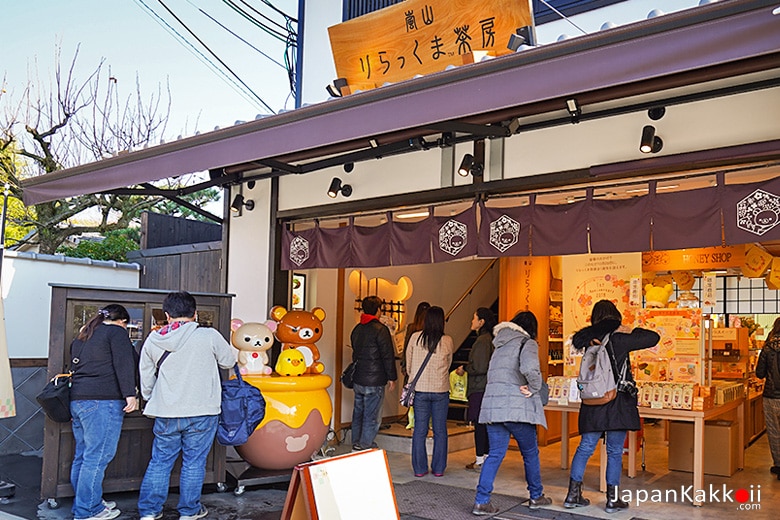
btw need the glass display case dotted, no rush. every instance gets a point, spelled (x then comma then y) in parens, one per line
(71, 308)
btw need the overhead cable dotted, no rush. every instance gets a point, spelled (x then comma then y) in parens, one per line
(217, 57)
(198, 54)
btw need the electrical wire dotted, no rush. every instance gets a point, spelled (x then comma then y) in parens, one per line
(563, 16)
(241, 12)
(282, 27)
(217, 57)
(236, 35)
(287, 16)
(198, 54)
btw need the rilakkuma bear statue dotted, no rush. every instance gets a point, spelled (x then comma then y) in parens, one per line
(253, 340)
(657, 297)
(301, 330)
(291, 363)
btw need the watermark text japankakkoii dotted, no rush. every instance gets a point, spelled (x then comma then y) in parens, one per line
(744, 498)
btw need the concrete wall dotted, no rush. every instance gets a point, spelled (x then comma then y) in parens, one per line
(27, 295)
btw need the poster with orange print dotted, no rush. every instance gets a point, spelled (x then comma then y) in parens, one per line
(588, 279)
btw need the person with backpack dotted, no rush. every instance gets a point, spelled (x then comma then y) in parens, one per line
(512, 406)
(180, 381)
(768, 366)
(619, 414)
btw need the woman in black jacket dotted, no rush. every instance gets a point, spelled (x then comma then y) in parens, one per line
(102, 392)
(768, 367)
(613, 419)
(477, 368)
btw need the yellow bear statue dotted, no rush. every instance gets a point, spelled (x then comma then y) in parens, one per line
(657, 297)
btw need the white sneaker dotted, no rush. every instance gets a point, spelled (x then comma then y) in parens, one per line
(200, 514)
(109, 504)
(106, 514)
(152, 517)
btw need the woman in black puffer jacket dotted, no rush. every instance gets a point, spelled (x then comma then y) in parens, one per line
(613, 419)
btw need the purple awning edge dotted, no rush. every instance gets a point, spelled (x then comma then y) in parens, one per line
(750, 34)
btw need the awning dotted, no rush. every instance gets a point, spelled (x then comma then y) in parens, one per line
(689, 47)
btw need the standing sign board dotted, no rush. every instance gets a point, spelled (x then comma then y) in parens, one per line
(421, 37)
(354, 486)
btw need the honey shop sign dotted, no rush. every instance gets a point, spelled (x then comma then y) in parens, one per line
(421, 37)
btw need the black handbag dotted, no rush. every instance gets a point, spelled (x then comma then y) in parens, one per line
(349, 373)
(55, 398)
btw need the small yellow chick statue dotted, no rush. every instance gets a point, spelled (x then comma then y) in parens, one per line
(657, 297)
(291, 363)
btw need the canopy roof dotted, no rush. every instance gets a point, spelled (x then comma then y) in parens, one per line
(706, 43)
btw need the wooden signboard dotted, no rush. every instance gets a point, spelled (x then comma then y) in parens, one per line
(354, 486)
(422, 36)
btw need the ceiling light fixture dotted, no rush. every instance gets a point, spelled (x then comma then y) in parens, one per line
(336, 187)
(465, 165)
(650, 142)
(414, 214)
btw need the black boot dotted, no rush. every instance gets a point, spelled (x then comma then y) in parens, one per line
(614, 504)
(574, 497)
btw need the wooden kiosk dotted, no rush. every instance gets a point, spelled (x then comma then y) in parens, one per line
(71, 307)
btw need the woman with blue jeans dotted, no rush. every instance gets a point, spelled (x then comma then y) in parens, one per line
(102, 391)
(512, 406)
(432, 397)
(613, 419)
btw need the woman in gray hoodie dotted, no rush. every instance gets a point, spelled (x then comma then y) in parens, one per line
(512, 406)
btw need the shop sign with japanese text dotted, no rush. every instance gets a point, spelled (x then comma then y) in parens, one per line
(421, 37)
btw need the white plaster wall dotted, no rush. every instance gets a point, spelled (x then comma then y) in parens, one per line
(398, 174)
(27, 295)
(733, 120)
(249, 251)
(318, 68)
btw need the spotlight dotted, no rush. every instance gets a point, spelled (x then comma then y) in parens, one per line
(574, 110)
(239, 202)
(650, 142)
(336, 187)
(465, 165)
(523, 36)
(334, 89)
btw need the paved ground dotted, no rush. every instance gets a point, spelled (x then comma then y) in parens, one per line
(451, 496)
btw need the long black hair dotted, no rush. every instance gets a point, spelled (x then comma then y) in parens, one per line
(528, 322)
(433, 329)
(485, 314)
(111, 312)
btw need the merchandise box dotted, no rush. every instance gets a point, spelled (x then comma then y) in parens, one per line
(721, 442)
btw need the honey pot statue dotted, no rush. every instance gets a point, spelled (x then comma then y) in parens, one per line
(298, 407)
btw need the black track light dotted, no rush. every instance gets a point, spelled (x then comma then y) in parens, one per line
(239, 203)
(336, 187)
(650, 142)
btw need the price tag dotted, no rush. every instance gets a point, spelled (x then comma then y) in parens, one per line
(563, 402)
(657, 406)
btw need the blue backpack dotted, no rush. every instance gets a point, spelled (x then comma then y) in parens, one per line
(243, 408)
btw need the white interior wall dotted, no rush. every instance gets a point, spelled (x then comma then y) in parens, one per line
(27, 295)
(249, 253)
(439, 284)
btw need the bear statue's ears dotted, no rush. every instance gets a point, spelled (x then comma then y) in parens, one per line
(271, 324)
(278, 312)
(235, 323)
(319, 313)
